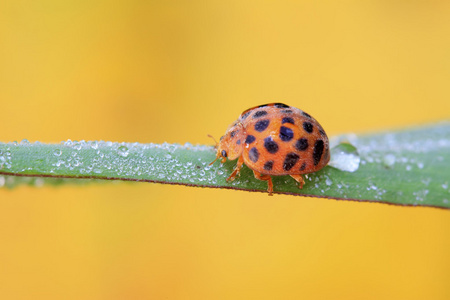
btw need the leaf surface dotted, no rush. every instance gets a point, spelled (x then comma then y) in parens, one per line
(407, 167)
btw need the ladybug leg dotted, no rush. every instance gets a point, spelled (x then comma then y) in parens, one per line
(237, 169)
(299, 179)
(266, 178)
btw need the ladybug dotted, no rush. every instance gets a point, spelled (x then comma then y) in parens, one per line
(275, 139)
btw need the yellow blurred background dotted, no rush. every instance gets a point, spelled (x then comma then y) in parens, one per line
(175, 71)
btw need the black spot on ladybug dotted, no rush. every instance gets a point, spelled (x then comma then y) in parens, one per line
(301, 144)
(303, 167)
(233, 133)
(306, 114)
(243, 116)
(317, 153)
(322, 132)
(270, 145)
(268, 165)
(286, 134)
(250, 139)
(260, 126)
(308, 127)
(259, 114)
(224, 153)
(287, 111)
(253, 154)
(263, 105)
(287, 120)
(290, 161)
(281, 105)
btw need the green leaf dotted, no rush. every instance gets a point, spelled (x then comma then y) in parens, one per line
(409, 167)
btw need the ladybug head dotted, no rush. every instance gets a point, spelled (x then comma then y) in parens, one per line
(230, 145)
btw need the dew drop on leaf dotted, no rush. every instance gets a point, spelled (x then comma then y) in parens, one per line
(77, 146)
(345, 157)
(123, 151)
(57, 152)
(389, 160)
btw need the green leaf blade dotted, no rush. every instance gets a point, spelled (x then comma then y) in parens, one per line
(409, 167)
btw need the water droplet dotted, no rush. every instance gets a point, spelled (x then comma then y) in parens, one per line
(123, 151)
(57, 152)
(420, 165)
(24, 142)
(328, 181)
(345, 157)
(389, 160)
(408, 168)
(77, 146)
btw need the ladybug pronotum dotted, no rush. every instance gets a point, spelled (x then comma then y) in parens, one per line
(275, 139)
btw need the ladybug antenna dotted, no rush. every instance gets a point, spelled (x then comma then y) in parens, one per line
(213, 140)
(217, 157)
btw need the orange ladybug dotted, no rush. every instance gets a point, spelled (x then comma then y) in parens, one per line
(275, 139)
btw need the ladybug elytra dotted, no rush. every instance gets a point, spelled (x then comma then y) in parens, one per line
(275, 139)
